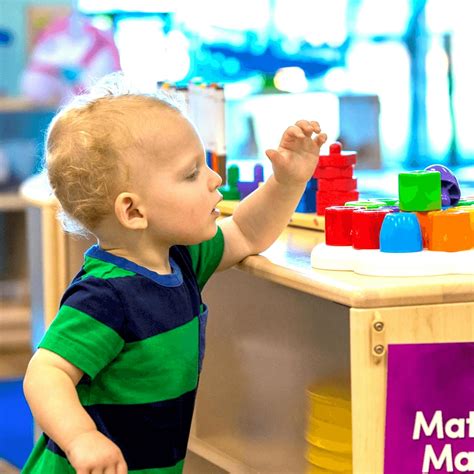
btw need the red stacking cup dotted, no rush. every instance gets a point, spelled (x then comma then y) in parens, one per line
(338, 223)
(366, 224)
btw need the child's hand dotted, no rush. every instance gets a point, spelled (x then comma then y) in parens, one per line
(297, 156)
(92, 452)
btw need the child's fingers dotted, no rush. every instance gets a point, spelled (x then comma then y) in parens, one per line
(320, 139)
(295, 132)
(316, 126)
(309, 127)
(306, 126)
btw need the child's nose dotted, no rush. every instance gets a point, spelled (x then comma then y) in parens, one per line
(215, 180)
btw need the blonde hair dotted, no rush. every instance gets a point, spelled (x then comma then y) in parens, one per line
(85, 146)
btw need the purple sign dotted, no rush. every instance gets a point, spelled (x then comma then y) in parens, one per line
(430, 408)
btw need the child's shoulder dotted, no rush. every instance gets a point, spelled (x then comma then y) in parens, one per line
(88, 287)
(96, 298)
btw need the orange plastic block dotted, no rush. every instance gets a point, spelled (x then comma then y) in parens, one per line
(451, 231)
(470, 211)
(425, 225)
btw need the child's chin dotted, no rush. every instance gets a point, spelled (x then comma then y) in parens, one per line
(202, 236)
(209, 234)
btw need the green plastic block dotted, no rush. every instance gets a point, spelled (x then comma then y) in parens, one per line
(387, 201)
(230, 192)
(465, 202)
(374, 204)
(419, 191)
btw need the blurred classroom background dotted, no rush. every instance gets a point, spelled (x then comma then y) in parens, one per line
(391, 79)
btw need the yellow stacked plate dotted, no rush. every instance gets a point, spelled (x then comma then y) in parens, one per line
(329, 432)
(312, 469)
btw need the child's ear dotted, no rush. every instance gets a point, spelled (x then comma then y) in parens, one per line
(130, 212)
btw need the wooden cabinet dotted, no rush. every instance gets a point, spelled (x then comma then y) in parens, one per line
(275, 326)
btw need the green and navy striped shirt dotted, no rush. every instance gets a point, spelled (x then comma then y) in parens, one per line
(139, 339)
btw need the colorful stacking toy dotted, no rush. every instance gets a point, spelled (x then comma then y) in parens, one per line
(337, 252)
(248, 187)
(450, 190)
(450, 231)
(372, 204)
(401, 233)
(366, 224)
(429, 231)
(307, 202)
(231, 191)
(329, 428)
(336, 183)
(419, 190)
(339, 225)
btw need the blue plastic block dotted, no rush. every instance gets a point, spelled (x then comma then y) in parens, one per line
(307, 202)
(400, 232)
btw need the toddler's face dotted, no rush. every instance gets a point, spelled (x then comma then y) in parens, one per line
(180, 190)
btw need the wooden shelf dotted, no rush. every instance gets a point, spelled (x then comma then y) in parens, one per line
(12, 201)
(13, 315)
(213, 455)
(216, 449)
(15, 332)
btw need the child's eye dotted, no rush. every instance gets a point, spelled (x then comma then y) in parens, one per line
(193, 175)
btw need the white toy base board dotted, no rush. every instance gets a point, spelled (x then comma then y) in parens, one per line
(377, 263)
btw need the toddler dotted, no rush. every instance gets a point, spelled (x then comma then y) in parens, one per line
(114, 380)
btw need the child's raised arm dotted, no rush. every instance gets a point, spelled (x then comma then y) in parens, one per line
(50, 389)
(260, 218)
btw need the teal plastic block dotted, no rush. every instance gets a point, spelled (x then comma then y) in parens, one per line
(230, 192)
(419, 191)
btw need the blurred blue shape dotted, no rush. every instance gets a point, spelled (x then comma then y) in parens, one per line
(16, 425)
(5, 37)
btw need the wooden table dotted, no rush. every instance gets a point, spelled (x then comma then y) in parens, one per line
(276, 325)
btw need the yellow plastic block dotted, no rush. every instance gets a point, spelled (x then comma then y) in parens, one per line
(312, 469)
(335, 392)
(328, 436)
(327, 460)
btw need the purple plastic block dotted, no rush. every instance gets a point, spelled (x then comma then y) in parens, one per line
(392, 208)
(247, 187)
(450, 190)
(258, 173)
